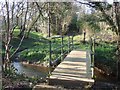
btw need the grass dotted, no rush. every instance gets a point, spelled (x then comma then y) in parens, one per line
(36, 47)
(105, 55)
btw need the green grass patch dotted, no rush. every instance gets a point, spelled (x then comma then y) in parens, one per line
(105, 54)
(36, 47)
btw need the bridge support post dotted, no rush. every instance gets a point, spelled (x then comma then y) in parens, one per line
(61, 48)
(93, 51)
(68, 44)
(72, 42)
(92, 48)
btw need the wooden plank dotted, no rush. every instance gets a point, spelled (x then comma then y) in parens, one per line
(75, 67)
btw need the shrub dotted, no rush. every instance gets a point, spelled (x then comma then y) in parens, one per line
(105, 54)
(32, 55)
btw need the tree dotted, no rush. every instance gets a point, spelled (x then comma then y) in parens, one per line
(8, 38)
(9, 24)
(89, 22)
(60, 16)
(35, 19)
(24, 23)
(113, 19)
(73, 26)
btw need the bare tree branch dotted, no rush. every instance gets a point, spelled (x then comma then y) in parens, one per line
(18, 45)
(89, 4)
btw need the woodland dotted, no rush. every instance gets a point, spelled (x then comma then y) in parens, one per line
(43, 33)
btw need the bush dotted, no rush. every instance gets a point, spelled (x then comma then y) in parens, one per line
(105, 54)
(32, 55)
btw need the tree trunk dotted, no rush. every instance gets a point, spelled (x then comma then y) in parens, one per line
(117, 17)
(23, 27)
(7, 60)
(32, 24)
(118, 59)
(8, 38)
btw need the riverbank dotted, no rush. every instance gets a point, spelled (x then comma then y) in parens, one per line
(103, 83)
(20, 82)
(26, 76)
(31, 69)
(38, 67)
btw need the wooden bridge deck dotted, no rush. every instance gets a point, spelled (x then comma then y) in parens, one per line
(75, 67)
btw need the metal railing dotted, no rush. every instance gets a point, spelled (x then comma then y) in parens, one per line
(63, 48)
(92, 52)
(69, 45)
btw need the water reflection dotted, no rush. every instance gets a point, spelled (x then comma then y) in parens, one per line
(28, 71)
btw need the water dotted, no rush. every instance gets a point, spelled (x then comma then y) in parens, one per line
(28, 71)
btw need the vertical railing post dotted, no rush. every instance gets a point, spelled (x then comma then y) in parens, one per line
(61, 48)
(50, 53)
(68, 44)
(91, 44)
(92, 48)
(72, 42)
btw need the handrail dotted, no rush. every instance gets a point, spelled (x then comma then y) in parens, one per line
(57, 48)
(55, 62)
(55, 36)
(92, 51)
(69, 44)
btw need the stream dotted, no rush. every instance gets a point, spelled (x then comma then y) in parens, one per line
(30, 72)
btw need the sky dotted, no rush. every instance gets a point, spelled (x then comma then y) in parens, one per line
(110, 1)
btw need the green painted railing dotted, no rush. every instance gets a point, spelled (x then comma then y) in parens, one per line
(63, 52)
(70, 46)
(92, 50)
